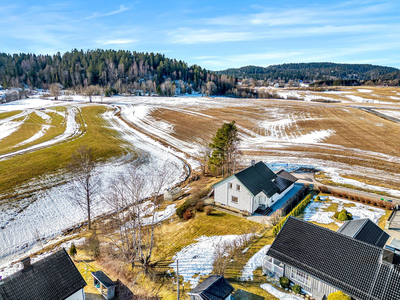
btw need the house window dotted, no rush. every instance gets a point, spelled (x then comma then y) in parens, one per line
(300, 277)
(238, 187)
(230, 185)
(235, 199)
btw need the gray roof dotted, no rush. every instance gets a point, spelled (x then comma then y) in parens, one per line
(366, 231)
(350, 265)
(54, 277)
(104, 279)
(282, 173)
(258, 178)
(214, 287)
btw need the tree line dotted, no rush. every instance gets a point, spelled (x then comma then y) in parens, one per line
(114, 71)
(315, 71)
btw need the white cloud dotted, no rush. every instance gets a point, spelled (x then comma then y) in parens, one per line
(120, 41)
(190, 36)
(121, 9)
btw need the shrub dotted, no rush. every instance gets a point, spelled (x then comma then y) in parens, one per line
(339, 295)
(342, 216)
(208, 210)
(72, 250)
(200, 206)
(296, 288)
(323, 189)
(187, 215)
(284, 282)
(94, 245)
(181, 210)
(317, 198)
(336, 215)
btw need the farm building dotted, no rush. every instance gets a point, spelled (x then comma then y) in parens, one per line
(255, 188)
(104, 285)
(173, 194)
(322, 261)
(54, 277)
(214, 287)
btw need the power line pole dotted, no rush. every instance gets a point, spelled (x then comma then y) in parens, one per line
(177, 276)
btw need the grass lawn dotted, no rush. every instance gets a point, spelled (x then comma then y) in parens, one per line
(104, 142)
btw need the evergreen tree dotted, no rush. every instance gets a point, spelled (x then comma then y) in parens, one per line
(224, 147)
(72, 250)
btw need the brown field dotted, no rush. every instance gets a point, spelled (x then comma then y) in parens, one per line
(364, 146)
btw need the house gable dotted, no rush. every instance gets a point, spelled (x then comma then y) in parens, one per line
(214, 287)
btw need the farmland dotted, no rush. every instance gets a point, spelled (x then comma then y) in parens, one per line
(345, 141)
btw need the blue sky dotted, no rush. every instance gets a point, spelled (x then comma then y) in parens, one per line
(213, 34)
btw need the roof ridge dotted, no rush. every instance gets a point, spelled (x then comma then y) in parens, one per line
(328, 230)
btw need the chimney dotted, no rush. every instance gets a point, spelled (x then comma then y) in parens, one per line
(387, 256)
(26, 262)
(253, 162)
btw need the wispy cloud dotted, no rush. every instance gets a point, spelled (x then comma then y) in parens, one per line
(117, 42)
(189, 36)
(121, 9)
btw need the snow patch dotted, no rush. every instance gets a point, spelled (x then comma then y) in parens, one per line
(254, 262)
(278, 294)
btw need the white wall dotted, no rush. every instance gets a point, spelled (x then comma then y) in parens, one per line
(79, 295)
(223, 194)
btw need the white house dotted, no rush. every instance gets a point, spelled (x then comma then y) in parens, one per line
(256, 187)
(54, 277)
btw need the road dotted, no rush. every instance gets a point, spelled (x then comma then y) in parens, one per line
(308, 178)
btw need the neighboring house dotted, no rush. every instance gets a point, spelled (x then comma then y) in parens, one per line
(255, 187)
(322, 261)
(54, 277)
(214, 287)
(365, 230)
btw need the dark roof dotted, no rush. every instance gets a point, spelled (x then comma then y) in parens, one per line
(350, 265)
(258, 178)
(214, 287)
(366, 231)
(104, 279)
(282, 183)
(282, 173)
(54, 277)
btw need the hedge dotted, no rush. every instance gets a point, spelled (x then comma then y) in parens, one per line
(295, 212)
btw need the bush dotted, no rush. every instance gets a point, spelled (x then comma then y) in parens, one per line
(72, 250)
(317, 198)
(284, 282)
(323, 189)
(187, 215)
(181, 210)
(296, 288)
(208, 210)
(342, 216)
(339, 295)
(336, 215)
(200, 206)
(94, 245)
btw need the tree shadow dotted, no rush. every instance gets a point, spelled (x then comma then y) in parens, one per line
(243, 295)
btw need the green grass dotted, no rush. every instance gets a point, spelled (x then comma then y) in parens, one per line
(104, 142)
(9, 114)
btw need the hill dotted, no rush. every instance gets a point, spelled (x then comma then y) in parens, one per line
(314, 71)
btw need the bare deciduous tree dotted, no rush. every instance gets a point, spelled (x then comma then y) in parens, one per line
(135, 218)
(86, 182)
(55, 90)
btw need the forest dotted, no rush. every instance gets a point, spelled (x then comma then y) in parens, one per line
(115, 71)
(315, 72)
(112, 72)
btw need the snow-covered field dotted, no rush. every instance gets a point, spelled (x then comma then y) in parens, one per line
(47, 213)
(316, 211)
(196, 260)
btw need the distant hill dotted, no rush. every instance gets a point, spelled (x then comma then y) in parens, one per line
(314, 71)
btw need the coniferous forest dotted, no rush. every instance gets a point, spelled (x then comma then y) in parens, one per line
(119, 72)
